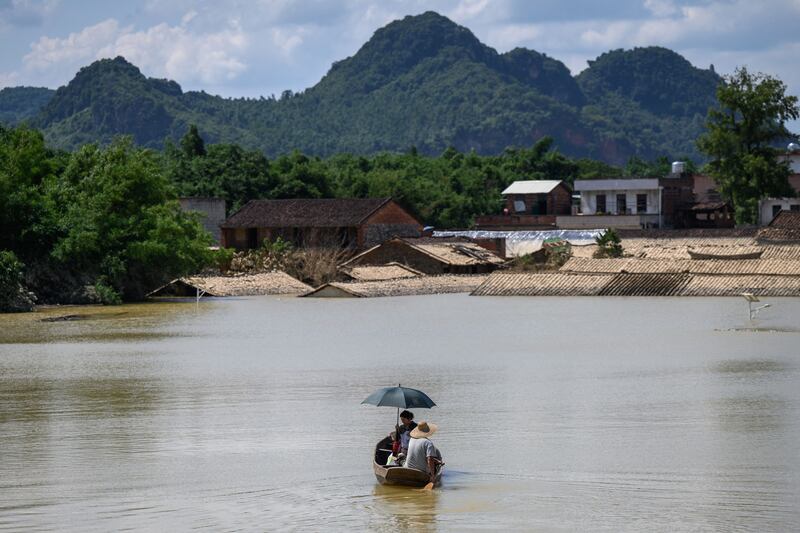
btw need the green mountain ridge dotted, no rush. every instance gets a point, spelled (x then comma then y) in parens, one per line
(422, 81)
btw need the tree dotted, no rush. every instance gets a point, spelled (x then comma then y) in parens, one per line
(192, 144)
(124, 227)
(741, 132)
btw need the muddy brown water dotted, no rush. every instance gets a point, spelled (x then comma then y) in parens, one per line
(555, 414)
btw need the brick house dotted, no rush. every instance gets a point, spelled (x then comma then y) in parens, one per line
(328, 222)
(530, 204)
(430, 256)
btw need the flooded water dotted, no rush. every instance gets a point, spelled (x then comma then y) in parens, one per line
(555, 414)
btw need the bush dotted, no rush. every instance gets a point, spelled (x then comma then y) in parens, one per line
(222, 259)
(608, 245)
(105, 293)
(13, 295)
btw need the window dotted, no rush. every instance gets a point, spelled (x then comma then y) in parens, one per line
(795, 208)
(519, 204)
(641, 203)
(601, 203)
(775, 210)
(622, 204)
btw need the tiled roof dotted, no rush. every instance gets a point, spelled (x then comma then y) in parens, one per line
(625, 284)
(736, 285)
(313, 212)
(786, 220)
(407, 286)
(380, 272)
(645, 285)
(769, 267)
(542, 284)
(779, 234)
(461, 253)
(244, 285)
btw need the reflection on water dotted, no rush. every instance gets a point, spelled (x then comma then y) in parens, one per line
(404, 509)
(554, 414)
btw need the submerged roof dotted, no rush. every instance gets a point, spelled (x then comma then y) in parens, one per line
(391, 270)
(532, 187)
(243, 285)
(305, 212)
(444, 284)
(639, 284)
(462, 253)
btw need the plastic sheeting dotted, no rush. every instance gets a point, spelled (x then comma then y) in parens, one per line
(526, 242)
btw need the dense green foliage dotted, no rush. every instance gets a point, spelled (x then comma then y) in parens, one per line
(18, 104)
(444, 191)
(95, 225)
(422, 81)
(751, 118)
(13, 296)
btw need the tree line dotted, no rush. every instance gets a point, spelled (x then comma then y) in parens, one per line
(103, 224)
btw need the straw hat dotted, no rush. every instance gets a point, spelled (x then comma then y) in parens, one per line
(423, 430)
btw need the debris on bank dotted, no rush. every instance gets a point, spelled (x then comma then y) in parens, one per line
(399, 287)
(264, 283)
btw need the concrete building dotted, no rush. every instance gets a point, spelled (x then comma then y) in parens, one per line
(212, 210)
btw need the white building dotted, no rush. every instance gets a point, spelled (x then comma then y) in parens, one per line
(616, 203)
(769, 207)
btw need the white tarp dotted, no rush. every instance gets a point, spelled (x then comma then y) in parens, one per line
(526, 242)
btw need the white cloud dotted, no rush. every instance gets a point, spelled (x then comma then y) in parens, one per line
(173, 52)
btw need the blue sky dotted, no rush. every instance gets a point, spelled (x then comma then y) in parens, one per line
(261, 47)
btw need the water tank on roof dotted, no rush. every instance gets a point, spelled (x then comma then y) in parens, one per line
(793, 147)
(678, 167)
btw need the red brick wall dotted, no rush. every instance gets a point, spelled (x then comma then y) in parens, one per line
(403, 254)
(559, 202)
(389, 221)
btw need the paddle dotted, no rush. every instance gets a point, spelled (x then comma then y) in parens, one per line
(429, 486)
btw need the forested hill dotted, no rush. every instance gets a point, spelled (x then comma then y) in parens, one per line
(422, 81)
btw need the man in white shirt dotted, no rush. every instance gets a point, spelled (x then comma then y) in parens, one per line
(422, 454)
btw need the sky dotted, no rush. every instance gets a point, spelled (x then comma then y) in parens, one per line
(257, 48)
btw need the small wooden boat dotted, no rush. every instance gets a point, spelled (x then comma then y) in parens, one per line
(398, 475)
(709, 254)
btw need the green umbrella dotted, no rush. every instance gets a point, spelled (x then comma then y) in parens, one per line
(400, 397)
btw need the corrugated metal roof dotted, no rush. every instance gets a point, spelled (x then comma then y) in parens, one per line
(531, 187)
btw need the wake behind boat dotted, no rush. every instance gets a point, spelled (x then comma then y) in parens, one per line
(398, 475)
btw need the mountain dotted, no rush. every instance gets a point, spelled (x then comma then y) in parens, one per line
(422, 81)
(18, 104)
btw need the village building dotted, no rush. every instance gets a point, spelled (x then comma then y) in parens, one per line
(530, 204)
(430, 256)
(331, 222)
(630, 203)
(212, 211)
